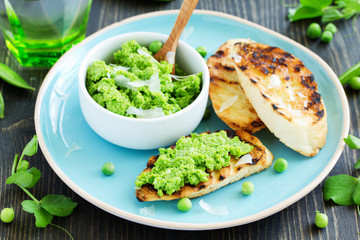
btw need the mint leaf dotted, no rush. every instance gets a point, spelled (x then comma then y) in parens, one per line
(21, 178)
(357, 164)
(23, 166)
(340, 189)
(304, 12)
(36, 176)
(356, 194)
(31, 148)
(43, 218)
(58, 205)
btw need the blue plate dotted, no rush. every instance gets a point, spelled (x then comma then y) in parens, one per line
(76, 153)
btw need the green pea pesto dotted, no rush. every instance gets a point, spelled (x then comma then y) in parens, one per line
(135, 79)
(188, 162)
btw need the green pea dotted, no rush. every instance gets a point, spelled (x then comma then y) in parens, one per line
(331, 27)
(355, 83)
(7, 215)
(202, 50)
(184, 204)
(280, 165)
(247, 188)
(321, 220)
(326, 36)
(314, 31)
(155, 46)
(108, 168)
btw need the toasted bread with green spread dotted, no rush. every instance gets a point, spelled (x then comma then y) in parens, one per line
(258, 159)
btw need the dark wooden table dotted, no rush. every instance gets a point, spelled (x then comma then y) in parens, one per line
(90, 222)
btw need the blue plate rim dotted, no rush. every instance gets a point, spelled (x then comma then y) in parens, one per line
(193, 226)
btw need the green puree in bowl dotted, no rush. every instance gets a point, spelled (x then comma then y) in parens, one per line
(188, 162)
(136, 85)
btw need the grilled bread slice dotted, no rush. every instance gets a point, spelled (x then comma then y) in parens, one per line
(261, 159)
(284, 94)
(228, 99)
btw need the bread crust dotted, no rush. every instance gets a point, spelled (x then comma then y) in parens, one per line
(261, 159)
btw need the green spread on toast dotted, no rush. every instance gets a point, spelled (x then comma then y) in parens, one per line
(188, 162)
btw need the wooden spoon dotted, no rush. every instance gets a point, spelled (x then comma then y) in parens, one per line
(167, 52)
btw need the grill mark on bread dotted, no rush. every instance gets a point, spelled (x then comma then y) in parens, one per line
(229, 68)
(253, 80)
(274, 106)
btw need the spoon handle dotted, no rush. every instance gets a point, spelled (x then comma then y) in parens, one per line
(171, 43)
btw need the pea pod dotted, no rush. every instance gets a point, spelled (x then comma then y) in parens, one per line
(354, 71)
(13, 78)
(2, 106)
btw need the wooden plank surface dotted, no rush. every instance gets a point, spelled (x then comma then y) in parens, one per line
(90, 222)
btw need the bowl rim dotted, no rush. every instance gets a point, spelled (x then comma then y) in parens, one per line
(85, 64)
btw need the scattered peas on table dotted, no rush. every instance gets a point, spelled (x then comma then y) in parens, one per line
(321, 220)
(7, 215)
(314, 31)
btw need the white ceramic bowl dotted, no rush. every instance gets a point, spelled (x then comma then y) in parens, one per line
(143, 133)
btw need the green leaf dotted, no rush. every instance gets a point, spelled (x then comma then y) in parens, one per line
(30, 206)
(331, 15)
(31, 148)
(357, 164)
(43, 218)
(23, 166)
(304, 12)
(2, 106)
(319, 4)
(356, 194)
(340, 188)
(352, 141)
(21, 178)
(58, 205)
(13, 78)
(36, 176)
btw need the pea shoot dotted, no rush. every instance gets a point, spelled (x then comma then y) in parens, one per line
(108, 168)
(184, 204)
(314, 31)
(354, 71)
(50, 205)
(155, 46)
(2, 106)
(7, 215)
(11, 77)
(202, 51)
(321, 220)
(280, 165)
(326, 36)
(247, 188)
